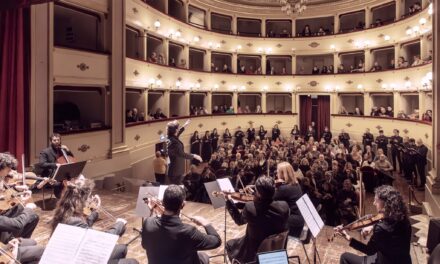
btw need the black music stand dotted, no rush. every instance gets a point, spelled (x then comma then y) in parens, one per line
(63, 172)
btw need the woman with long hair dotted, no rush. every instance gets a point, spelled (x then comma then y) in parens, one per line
(70, 211)
(390, 242)
(289, 190)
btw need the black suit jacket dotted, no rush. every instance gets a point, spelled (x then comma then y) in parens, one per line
(391, 242)
(263, 219)
(117, 229)
(177, 156)
(169, 241)
(48, 162)
(13, 221)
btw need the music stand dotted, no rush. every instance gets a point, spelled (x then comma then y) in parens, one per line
(69, 171)
(219, 185)
(313, 221)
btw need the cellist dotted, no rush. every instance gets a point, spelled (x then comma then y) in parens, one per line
(51, 158)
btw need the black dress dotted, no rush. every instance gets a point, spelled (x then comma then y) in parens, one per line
(262, 134)
(251, 134)
(195, 148)
(275, 134)
(214, 141)
(239, 135)
(290, 193)
(206, 148)
(227, 137)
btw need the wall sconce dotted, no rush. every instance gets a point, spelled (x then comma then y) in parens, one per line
(265, 88)
(386, 38)
(260, 50)
(178, 34)
(196, 39)
(408, 31)
(422, 21)
(151, 83)
(430, 9)
(216, 86)
(242, 88)
(159, 83)
(408, 85)
(178, 84)
(360, 87)
(332, 47)
(157, 24)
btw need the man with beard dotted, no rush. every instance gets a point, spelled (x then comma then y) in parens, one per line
(48, 160)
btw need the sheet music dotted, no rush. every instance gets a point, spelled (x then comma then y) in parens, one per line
(225, 185)
(96, 247)
(76, 245)
(310, 215)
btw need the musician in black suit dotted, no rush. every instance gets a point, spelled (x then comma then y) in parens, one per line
(421, 162)
(367, 138)
(390, 242)
(263, 216)
(395, 141)
(382, 142)
(167, 240)
(70, 211)
(48, 164)
(176, 152)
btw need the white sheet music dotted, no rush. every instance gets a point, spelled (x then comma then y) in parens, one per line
(310, 215)
(225, 185)
(76, 245)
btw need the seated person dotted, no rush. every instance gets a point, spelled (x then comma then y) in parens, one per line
(347, 200)
(376, 67)
(417, 61)
(341, 68)
(167, 240)
(402, 63)
(263, 216)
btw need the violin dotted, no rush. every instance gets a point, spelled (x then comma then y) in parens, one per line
(30, 178)
(158, 206)
(10, 199)
(362, 222)
(238, 196)
(93, 205)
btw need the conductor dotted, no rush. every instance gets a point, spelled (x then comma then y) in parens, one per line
(176, 153)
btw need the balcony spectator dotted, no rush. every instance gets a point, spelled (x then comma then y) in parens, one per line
(226, 69)
(392, 64)
(242, 69)
(247, 110)
(161, 59)
(258, 110)
(383, 111)
(250, 70)
(417, 61)
(285, 34)
(402, 63)
(129, 116)
(376, 67)
(301, 70)
(283, 71)
(415, 114)
(213, 67)
(306, 31)
(358, 112)
(259, 71)
(271, 34)
(153, 57)
(321, 32)
(374, 111)
(377, 23)
(230, 110)
(402, 115)
(415, 8)
(343, 111)
(427, 116)
(272, 71)
(324, 70)
(389, 111)
(360, 25)
(159, 114)
(182, 64)
(360, 67)
(173, 62)
(215, 110)
(331, 69)
(315, 70)
(341, 68)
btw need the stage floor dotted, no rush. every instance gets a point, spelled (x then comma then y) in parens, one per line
(122, 204)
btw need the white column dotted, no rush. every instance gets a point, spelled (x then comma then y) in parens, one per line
(397, 103)
(145, 99)
(337, 24)
(293, 28)
(368, 104)
(234, 65)
(208, 19)
(166, 103)
(335, 103)
(423, 47)
(186, 55)
(207, 61)
(166, 6)
(166, 51)
(235, 101)
(336, 61)
(117, 74)
(368, 17)
(263, 63)
(143, 45)
(396, 53)
(264, 102)
(295, 103)
(234, 25)
(399, 9)
(186, 103)
(186, 10)
(293, 64)
(422, 104)
(368, 63)
(208, 102)
(263, 28)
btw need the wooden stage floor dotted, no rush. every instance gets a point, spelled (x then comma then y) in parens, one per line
(122, 204)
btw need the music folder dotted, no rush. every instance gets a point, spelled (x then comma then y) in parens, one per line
(310, 215)
(69, 170)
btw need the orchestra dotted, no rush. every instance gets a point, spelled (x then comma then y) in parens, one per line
(266, 204)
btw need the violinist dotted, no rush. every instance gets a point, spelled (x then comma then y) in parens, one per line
(391, 236)
(263, 216)
(19, 221)
(49, 160)
(70, 211)
(168, 240)
(290, 191)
